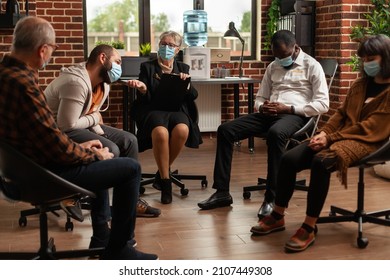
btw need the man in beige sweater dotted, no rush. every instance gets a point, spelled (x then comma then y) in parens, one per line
(76, 98)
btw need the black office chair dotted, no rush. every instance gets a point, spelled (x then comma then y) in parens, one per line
(330, 67)
(41, 188)
(176, 177)
(54, 208)
(360, 216)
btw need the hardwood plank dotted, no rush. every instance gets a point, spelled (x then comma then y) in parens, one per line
(183, 231)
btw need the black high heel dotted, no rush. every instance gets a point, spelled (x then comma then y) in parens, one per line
(166, 191)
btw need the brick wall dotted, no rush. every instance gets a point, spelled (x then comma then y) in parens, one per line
(67, 19)
(333, 21)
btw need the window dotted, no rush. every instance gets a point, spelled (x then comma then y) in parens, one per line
(144, 20)
(166, 15)
(109, 21)
(220, 13)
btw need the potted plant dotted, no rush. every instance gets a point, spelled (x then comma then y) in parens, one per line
(145, 49)
(378, 23)
(118, 45)
(272, 23)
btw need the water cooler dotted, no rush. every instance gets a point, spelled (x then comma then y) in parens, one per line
(195, 36)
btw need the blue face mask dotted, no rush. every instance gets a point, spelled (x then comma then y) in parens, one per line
(115, 72)
(285, 62)
(166, 52)
(45, 63)
(372, 68)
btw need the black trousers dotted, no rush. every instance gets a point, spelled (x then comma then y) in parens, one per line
(278, 128)
(295, 160)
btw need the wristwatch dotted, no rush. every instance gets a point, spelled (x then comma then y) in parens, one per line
(261, 109)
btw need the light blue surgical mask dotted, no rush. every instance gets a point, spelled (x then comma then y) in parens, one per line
(115, 72)
(45, 63)
(166, 52)
(285, 62)
(372, 68)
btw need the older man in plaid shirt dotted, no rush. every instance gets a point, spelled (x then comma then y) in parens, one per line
(27, 124)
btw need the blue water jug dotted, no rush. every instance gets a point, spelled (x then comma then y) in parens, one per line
(195, 27)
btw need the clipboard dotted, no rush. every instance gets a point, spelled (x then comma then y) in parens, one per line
(171, 92)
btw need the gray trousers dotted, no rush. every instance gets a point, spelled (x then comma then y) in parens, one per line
(120, 142)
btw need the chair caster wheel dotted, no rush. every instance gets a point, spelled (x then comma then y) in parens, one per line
(362, 242)
(204, 183)
(184, 192)
(69, 226)
(246, 195)
(22, 221)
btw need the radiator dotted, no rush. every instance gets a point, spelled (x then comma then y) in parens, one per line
(209, 107)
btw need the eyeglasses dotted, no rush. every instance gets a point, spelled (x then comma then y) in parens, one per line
(54, 46)
(172, 45)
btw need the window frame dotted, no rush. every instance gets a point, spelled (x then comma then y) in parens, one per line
(144, 18)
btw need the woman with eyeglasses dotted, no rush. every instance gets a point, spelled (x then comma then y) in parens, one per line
(166, 131)
(359, 127)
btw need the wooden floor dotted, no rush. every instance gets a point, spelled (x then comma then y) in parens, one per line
(185, 232)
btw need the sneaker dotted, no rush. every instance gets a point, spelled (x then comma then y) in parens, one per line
(268, 225)
(145, 210)
(72, 208)
(97, 242)
(132, 243)
(300, 241)
(128, 253)
(102, 243)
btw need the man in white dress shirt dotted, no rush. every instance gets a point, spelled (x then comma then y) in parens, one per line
(293, 89)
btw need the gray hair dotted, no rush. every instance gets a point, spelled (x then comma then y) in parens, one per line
(176, 36)
(32, 32)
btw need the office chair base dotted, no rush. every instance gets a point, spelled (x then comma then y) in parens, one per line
(47, 249)
(50, 253)
(148, 178)
(337, 215)
(261, 185)
(177, 180)
(84, 203)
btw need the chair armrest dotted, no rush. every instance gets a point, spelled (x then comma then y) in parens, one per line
(379, 156)
(305, 129)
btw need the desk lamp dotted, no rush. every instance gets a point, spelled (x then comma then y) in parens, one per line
(232, 33)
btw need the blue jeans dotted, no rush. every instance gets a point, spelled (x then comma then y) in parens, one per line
(123, 175)
(121, 143)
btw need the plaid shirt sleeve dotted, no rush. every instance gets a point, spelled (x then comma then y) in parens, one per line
(29, 123)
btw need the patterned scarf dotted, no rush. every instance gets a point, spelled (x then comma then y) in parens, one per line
(165, 68)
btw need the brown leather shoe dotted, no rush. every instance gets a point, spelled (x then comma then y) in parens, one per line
(300, 241)
(268, 225)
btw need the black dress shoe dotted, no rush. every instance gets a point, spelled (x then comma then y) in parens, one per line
(265, 209)
(218, 199)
